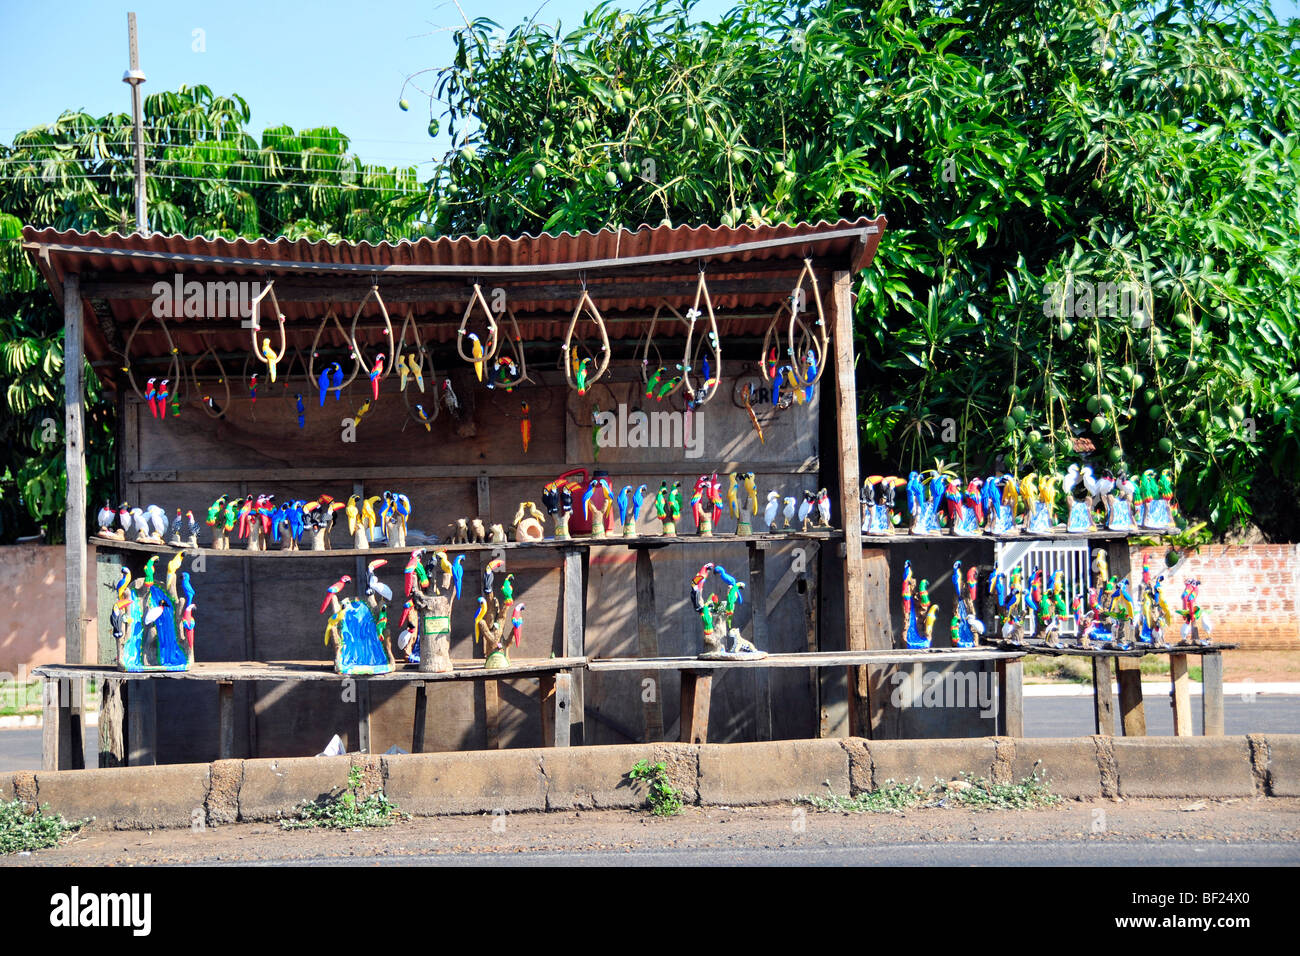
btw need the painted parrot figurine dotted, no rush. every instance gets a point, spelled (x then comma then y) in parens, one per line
(458, 572)
(333, 591)
(375, 372)
(414, 571)
(151, 396)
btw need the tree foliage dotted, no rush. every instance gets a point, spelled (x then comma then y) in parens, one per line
(1030, 155)
(208, 176)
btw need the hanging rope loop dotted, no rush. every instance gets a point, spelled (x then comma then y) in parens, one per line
(807, 371)
(660, 383)
(709, 383)
(576, 371)
(267, 354)
(388, 331)
(490, 346)
(312, 381)
(210, 408)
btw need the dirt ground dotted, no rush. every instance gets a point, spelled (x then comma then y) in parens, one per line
(1261, 666)
(1116, 821)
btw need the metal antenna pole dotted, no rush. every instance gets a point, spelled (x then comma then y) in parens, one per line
(135, 77)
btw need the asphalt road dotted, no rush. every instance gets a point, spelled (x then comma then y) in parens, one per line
(1049, 853)
(1044, 717)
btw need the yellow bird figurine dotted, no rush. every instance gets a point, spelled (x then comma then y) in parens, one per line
(268, 353)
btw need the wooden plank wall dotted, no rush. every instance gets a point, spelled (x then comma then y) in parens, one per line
(187, 462)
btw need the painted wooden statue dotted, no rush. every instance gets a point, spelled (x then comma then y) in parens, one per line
(918, 611)
(1081, 491)
(499, 620)
(359, 627)
(965, 508)
(722, 641)
(878, 503)
(667, 506)
(924, 499)
(528, 522)
(597, 505)
(629, 506)
(1155, 624)
(424, 631)
(742, 501)
(1009, 596)
(966, 625)
(1001, 495)
(1118, 494)
(153, 625)
(706, 504)
(1156, 496)
(1196, 624)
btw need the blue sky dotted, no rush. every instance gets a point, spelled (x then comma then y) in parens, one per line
(304, 64)
(328, 62)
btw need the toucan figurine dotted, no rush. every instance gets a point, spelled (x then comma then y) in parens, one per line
(373, 584)
(806, 508)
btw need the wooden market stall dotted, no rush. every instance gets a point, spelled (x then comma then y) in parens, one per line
(220, 435)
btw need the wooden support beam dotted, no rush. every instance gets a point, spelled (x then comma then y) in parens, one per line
(1103, 703)
(850, 509)
(75, 518)
(363, 715)
(546, 704)
(51, 749)
(758, 610)
(1133, 715)
(647, 644)
(421, 717)
(112, 724)
(226, 719)
(1180, 699)
(1011, 697)
(1212, 694)
(492, 713)
(573, 633)
(563, 719)
(141, 723)
(697, 689)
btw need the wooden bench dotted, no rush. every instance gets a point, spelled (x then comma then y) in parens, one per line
(554, 675)
(1122, 665)
(697, 678)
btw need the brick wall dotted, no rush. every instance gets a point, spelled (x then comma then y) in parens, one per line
(1251, 593)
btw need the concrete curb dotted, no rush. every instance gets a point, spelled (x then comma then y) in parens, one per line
(497, 781)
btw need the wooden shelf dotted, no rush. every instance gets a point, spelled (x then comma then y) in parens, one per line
(1137, 650)
(813, 659)
(312, 671)
(549, 544)
(616, 541)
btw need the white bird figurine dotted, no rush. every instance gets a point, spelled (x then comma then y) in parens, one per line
(1071, 479)
(157, 521)
(1089, 482)
(105, 517)
(806, 508)
(1105, 485)
(124, 516)
(770, 512)
(788, 512)
(141, 523)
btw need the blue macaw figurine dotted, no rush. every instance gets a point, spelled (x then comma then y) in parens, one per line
(990, 495)
(938, 485)
(623, 497)
(812, 372)
(295, 515)
(337, 381)
(302, 411)
(186, 588)
(915, 494)
(457, 571)
(728, 580)
(1000, 588)
(637, 497)
(280, 513)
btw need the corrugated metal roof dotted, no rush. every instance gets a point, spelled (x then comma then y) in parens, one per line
(749, 269)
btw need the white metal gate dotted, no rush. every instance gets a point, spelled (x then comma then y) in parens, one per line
(1068, 557)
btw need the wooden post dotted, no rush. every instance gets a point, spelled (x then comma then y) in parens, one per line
(1131, 708)
(850, 508)
(250, 641)
(1011, 697)
(563, 719)
(1212, 694)
(1103, 702)
(492, 712)
(697, 689)
(648, 643)
(363, 715)
(575, 612)
(226, 719)
(112, 724)
(546, 704)
(1181, 700)
(141, 722)
(421, 714)
(74, 523)
(50, 749)
(880, 635)
(758, 611)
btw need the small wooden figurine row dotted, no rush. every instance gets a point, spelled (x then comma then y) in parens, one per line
(1107, 616)
(1004, 504)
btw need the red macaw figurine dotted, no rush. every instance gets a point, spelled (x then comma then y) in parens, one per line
(374, 375)
(333, 590)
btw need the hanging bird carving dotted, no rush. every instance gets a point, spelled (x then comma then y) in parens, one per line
(376, 371)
